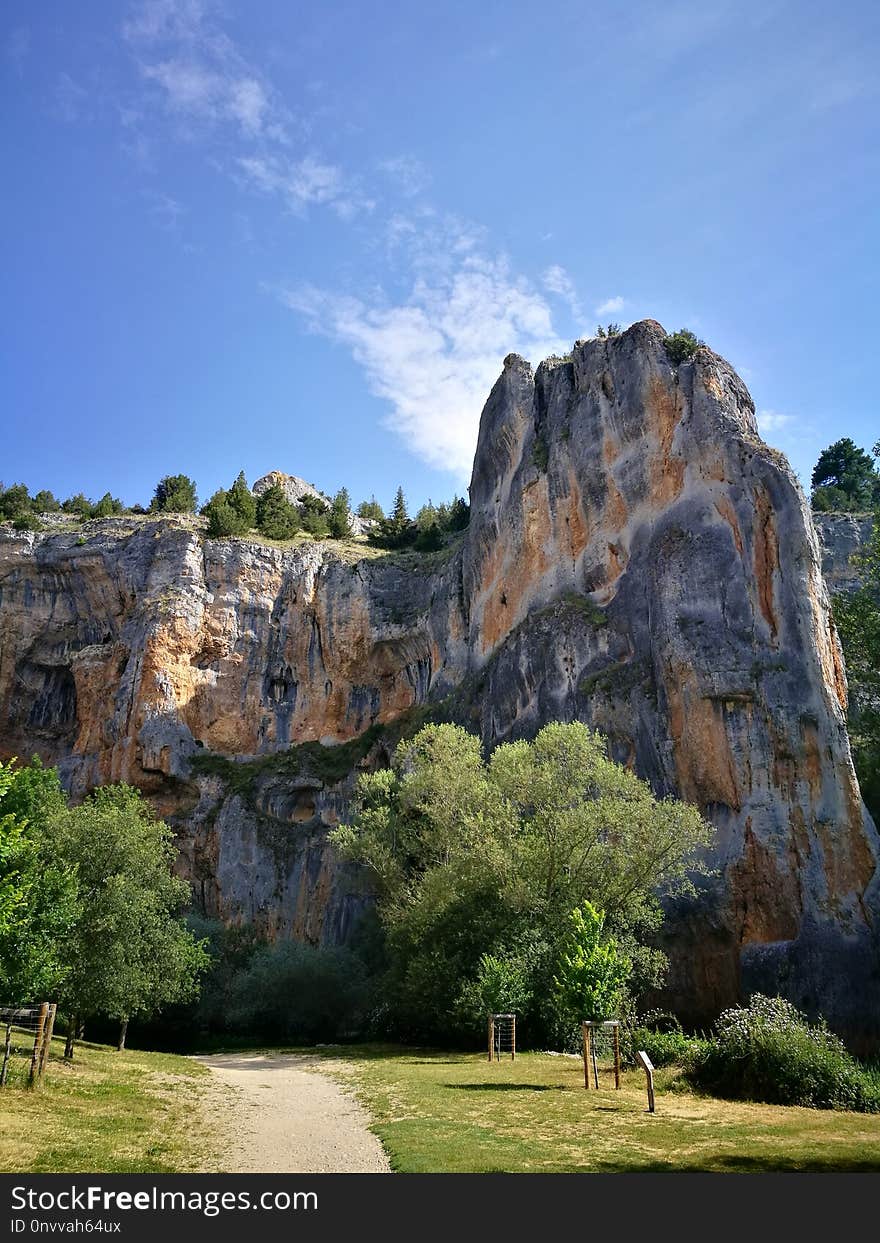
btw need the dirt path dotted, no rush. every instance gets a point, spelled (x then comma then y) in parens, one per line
(280, 1114)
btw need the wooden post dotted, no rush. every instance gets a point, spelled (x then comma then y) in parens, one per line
(647, 1067)
(513, 1038)
(585, 1032)
(616, 1057)
(47, 1037)
(38, 1042)
(491, 1037)
(6, 1052)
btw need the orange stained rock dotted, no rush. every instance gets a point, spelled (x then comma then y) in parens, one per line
(664, 410)
(766, 559)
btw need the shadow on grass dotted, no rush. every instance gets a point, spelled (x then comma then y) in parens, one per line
(715, 1163)
(506, 1087)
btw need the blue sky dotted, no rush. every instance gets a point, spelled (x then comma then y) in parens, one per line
(285, 235)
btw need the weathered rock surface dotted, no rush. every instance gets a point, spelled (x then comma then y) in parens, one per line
(296, 490)
(840, 537)
(637, 558)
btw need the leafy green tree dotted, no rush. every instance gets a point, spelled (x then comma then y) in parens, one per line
(610, 330)
(845, 476)
(243, 501)
(175, 494)
(459, 514)
(681, 345)
(427, 516)
(223, 520)
(371, 510)
(79, 505)
(14, 500)
(276, 517)
(397, 530)
(108, 506)
(338, 516)
(469, 857)
(313, 511)
(129, 952)
(45, 503)
(591, 973)
(857, 615)
(38, 893)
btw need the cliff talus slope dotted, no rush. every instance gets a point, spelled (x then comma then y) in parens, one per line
(637, 558)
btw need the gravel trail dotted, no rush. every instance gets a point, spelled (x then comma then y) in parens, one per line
(282, 1115)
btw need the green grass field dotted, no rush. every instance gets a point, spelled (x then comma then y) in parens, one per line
(114, 1112)
(106, 1112)
(446, 1112)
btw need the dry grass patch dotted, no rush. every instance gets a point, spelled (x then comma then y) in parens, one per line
(108, 1112)
(458, 1113)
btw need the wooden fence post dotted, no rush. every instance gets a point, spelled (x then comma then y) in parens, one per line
(648, 1068)
(38, 1042)
(47, 1037)
(616, 1031)
(585, 1032)
(491, 1037)
(6, 1052)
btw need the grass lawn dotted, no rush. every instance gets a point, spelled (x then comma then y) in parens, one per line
(106, 1112)
(446, 1112)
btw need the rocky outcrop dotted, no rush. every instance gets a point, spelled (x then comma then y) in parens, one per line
(637, 558)
(296, 490)
(841, 536)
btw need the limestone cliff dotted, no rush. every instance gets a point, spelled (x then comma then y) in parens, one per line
(637, 558)
(842, 536)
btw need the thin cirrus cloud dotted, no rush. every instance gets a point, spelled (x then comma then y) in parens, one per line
(557, 281)
(771, 422)
(432, 353)
(435, 357)
(610, 306)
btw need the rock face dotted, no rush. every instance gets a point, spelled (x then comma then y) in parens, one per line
(637, 558)
(840, 536)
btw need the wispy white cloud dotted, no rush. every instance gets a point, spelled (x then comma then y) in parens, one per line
(199, 70)
(557, 281)
(301, 183)
(435, 356)
(772, 421)
(610, 306)
(408, 174)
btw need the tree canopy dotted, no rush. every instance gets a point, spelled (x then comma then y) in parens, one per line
(845, 478)
(471, 857)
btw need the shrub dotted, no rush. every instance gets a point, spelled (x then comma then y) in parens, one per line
(661, 1037)
(175, 494)
(681, 345)
(769, 1051)
(107, 507)
(313, 511)
(297, 992)
(79, 504)
(223, 519)
(27, 522)
(371, 510)
(540, 452)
